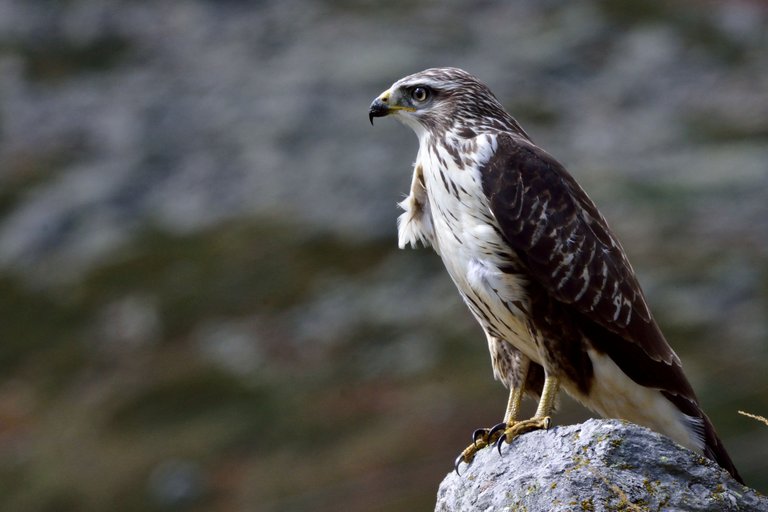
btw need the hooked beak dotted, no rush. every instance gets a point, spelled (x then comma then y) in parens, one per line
(379, 107)
(384, 105)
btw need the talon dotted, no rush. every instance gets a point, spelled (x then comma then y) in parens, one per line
(457, 463)
(499, 427)
(498, 435)
(479, 441)
(499, 442)
(481, 433)
(465, 456)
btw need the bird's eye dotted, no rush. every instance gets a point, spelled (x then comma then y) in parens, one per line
(419, 93)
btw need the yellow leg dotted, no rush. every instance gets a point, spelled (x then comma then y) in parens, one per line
(516, 394)
(513, 404)
(548, 396)
(541, 419)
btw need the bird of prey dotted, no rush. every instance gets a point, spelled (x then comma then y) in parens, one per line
(538, 267)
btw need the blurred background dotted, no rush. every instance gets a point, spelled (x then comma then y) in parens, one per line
(202, 307)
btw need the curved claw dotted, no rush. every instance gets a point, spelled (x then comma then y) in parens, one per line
(479, 434)
(496, 428)
(457, 463)
(499, 442)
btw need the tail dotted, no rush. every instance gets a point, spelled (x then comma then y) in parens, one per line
(713, 446)
(714, 449)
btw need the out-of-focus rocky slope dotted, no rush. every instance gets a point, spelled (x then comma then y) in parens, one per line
(201, 306)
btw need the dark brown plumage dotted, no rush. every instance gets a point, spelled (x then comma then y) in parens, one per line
(605, 308)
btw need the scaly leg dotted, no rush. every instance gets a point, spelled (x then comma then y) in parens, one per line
(539, 421)
(515, 399)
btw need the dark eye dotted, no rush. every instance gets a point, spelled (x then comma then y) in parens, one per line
(419, 93)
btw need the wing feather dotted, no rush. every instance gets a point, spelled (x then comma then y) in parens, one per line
(571, 253)
(569, 250)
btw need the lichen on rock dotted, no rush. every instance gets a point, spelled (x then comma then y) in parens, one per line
(596, 465)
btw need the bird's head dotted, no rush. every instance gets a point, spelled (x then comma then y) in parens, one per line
(437, 99)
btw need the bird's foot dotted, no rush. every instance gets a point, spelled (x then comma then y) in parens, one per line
(507, 432)
(498, 434)
(481, 438)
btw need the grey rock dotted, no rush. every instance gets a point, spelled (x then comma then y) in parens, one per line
(596, 465)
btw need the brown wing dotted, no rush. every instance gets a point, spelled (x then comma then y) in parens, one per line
(568, 249)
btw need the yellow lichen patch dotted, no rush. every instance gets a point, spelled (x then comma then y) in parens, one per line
(652, 487)
(624, 503)
(579, 462)
(717, 492)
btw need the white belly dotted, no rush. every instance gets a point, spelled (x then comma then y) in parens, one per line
(465, 239)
